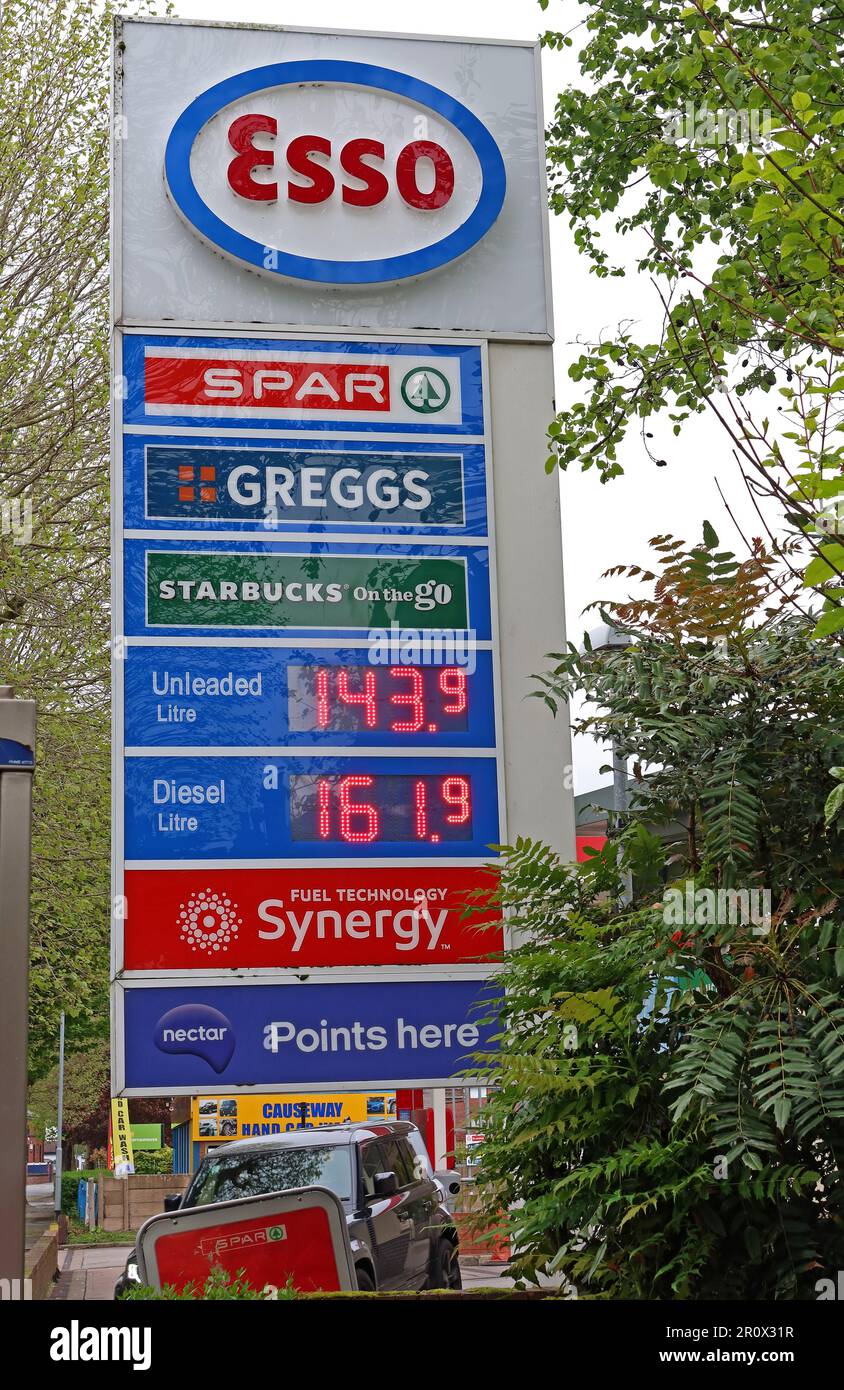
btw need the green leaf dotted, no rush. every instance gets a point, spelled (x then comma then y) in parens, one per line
(833, 804)
(830, 622)
(825, 566)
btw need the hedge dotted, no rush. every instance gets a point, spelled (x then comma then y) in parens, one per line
(154, 1160)
(70, 1186)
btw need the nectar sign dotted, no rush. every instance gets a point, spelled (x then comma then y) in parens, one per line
(266, 167)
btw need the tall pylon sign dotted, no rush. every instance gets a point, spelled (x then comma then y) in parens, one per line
(336, 555)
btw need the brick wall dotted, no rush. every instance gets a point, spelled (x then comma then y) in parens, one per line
(42, 1263)
(126, 1203)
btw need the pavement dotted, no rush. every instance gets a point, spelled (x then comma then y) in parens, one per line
(485, 1276)
(40, 1210)
(90, 1274)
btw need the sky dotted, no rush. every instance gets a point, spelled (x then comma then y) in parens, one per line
(603, 525)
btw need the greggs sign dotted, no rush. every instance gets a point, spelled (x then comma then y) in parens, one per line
(287, 167)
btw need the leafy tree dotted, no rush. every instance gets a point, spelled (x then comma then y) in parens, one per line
(86, 1084)
(712, 136)
(669, 1114)
(87, 1101)
(54, 480)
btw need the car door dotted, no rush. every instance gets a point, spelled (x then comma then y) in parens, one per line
(389, 1219)
(420, 1195)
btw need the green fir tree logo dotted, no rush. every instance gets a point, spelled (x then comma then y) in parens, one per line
(426, 390)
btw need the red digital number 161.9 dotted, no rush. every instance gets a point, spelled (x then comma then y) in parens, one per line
(359, 821)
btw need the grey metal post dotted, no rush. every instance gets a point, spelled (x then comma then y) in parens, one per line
(602, 641)
(17, 760)
(57, 1177)
(621, 802)
(619, 780)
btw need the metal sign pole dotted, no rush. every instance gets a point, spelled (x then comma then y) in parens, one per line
(57, 1177)
(17, 760)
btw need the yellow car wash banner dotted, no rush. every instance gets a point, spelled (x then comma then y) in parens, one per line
(121, 1139)
(242, 1117)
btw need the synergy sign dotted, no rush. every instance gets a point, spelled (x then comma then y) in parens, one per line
(249, 160)
(287, 918)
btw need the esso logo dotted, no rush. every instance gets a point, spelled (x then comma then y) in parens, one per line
(334, 172)
(362, 159)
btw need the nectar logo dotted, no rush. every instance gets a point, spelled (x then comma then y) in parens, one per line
(198, 1029)
(209, 922)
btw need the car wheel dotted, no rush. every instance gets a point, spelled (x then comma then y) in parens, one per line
(445, 1267)
(366, 1283)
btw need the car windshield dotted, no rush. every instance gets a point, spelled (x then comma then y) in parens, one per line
(233, 1175)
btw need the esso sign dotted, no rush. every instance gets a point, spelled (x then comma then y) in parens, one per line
(334, 172)
(362, 159)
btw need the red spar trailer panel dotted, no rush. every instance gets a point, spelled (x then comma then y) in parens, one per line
(301, 1234)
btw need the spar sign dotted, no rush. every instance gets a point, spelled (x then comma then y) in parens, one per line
(250, 159)
(260, 382)
(299, 1236)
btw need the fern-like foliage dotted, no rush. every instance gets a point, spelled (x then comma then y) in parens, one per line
(649, 1140)
(667, 1113)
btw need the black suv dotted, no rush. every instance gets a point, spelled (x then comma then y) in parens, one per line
(401, 1235)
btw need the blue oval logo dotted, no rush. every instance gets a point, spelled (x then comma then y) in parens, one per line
(198, 1029)
(292, 266)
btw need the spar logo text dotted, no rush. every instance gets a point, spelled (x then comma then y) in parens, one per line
(204, 380)
(243, 1238)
